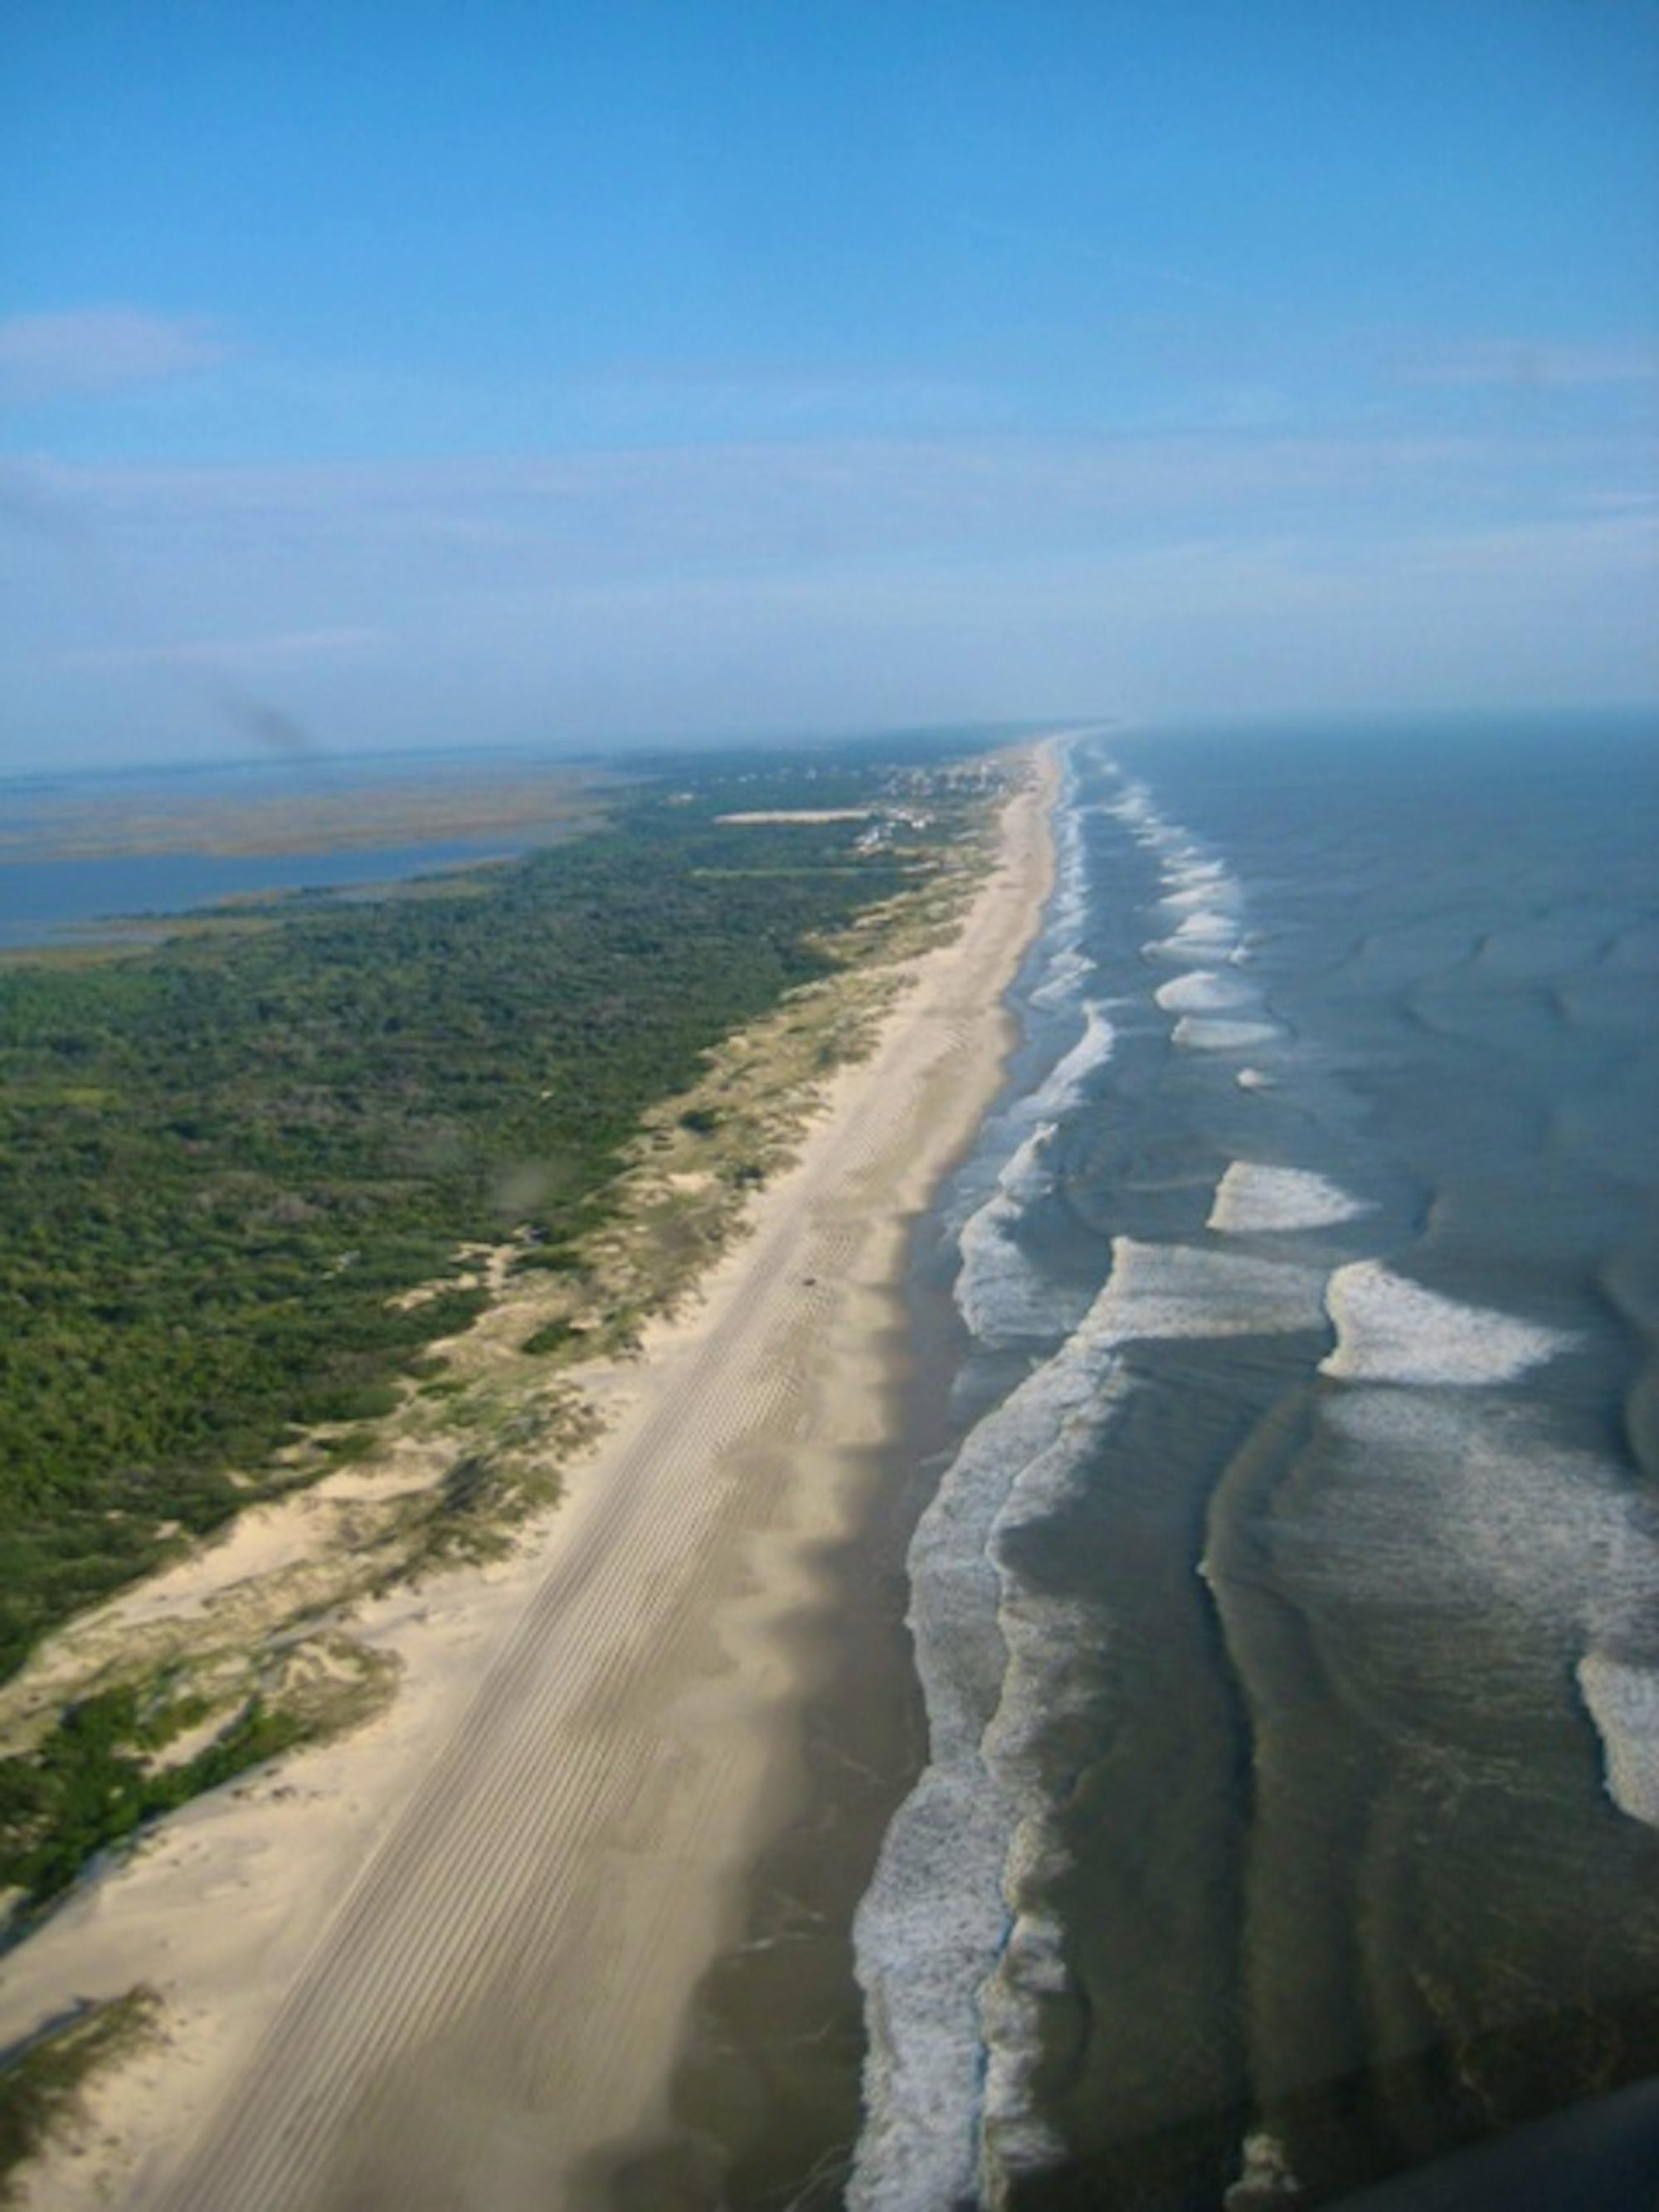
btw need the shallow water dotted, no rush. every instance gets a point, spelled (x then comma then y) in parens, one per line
(77, 901)
(66, 873)
(1286, 1613)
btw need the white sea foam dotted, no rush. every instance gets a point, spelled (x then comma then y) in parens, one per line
(1447, 1517)
(1067, 964)
(1197, 887)
(1462, 1508)
(1183, 1290)
(1265, 2177)
(1251, 1198)
(1202, 991)
(1451, 1503)
(1192, 870)
(1206, 924)
(956, 1952)
(1063, 1086)
(1134, 807)
(1194, 896)
(1212, 1033)
(1001, 1292)
(1623, 1701)
(931, 1925)
(1025, 1175)
(953, 1991)
(1070, 865)
(933, 1928)
(1184, 950)
(1201, 892)
(1065, 974)
(1029, 1974)
(1194, 888)
(1389, 1329)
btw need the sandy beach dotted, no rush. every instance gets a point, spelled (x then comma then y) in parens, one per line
(447, 1961)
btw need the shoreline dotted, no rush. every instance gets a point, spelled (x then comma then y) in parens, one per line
(766, 2101)
(501, 1997)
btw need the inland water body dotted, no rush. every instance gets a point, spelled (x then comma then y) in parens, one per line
(1283, 1597)
(87, 900)
(58, 886)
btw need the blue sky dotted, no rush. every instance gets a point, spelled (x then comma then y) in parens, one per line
(435, 375)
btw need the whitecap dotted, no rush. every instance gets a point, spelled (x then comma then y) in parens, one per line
(1466, 1506)
(1216, 941)
(1065, 974)
(1198, 898)
(1192, 870)
(1072, 886)
(1202, 991)
(1018, 2137)
(1251, 1198)
(1389, 1329)
(1623, 1702)
(1208, 1033)
(1264, 2178)
(951, 2003)
(1001, 1292)
(931, 1925)
(1186, 1291)
(1206, 924)
(1063, 1084)
(1193, 886)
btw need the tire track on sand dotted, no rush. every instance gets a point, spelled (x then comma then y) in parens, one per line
(502, 1988)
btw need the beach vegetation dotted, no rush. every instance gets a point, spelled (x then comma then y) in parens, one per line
(264, 1193)
(89, 1784)
(41, 2081)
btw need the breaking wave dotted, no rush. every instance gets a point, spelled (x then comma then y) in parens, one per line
(1252, 1200)
(1421, 1490)
(952, 1981)
(1389, 1329)
(1002, 1292)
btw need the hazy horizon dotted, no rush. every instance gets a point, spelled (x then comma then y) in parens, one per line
(309, 762)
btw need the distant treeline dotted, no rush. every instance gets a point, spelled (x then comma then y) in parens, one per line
(221, 1160)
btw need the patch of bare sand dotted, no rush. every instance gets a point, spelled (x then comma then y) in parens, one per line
(766, 815)
(447, 1961)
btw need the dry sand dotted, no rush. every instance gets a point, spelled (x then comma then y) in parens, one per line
(447, 1961)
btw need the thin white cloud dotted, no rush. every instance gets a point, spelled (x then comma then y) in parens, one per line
(702, 587)
(276, 646)
(1525, 362)
(85, 352)
(823, 500)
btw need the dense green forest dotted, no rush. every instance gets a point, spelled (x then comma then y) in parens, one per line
(222, 1158)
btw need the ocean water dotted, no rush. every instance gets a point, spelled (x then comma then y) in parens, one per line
(1288, 1615)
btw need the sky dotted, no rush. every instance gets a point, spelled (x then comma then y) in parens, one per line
(377, 378)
